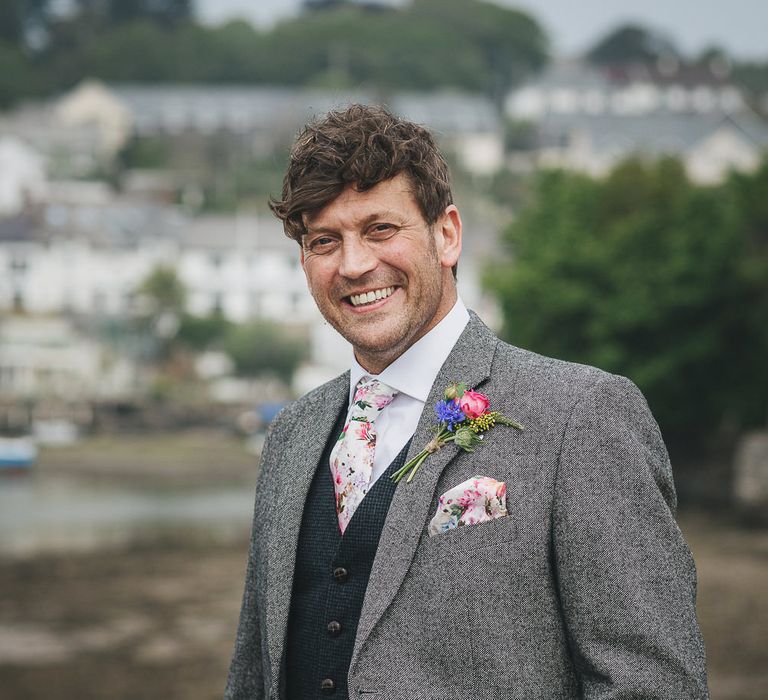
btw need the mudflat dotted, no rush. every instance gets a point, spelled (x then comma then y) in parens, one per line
(159, 621)
(143, 623)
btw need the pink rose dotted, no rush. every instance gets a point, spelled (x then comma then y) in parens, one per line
(473, 403)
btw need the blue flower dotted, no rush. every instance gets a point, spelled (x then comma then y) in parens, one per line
(450, 413)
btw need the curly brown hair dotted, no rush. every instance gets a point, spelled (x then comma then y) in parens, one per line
(360, 146)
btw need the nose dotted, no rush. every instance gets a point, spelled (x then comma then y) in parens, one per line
(357, 258)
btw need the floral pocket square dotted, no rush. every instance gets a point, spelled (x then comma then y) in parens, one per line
(474, 501)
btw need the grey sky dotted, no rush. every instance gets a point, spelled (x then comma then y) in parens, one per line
(741, 26)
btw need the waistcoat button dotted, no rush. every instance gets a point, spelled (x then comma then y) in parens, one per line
(340, 574)
(327, 686)
(334, 628)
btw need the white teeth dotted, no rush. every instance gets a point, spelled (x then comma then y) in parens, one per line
(368, 297)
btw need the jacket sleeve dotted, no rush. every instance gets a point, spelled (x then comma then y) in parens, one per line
(246, 676)
(246, 679)
(626, 578)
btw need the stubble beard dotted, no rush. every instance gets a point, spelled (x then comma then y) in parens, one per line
(376, 351)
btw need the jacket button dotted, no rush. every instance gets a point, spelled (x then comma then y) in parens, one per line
(327, 686)
(334, 628)
(340, 574)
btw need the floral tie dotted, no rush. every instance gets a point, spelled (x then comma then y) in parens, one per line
(352, 455)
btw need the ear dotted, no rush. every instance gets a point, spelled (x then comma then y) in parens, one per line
(448, 236)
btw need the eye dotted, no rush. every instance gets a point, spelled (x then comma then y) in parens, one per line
(381, 231)
(320, 245)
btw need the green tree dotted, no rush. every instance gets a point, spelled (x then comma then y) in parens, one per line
(162, 298)
(109, 13)
(202, 332)
(164, 12)
(426, 45)
(163, 291)
(18, 76)
(344, 47)
(753, 77)
(511, 43)
(262, 347)
(22, 22)
(632, 43)
(646, 275)
(747, 206)
(11, 22)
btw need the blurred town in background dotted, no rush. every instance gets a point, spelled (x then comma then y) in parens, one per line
(153, 316)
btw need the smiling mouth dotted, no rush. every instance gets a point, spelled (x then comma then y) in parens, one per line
(370, 297)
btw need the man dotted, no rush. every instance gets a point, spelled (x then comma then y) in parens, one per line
(571, 579)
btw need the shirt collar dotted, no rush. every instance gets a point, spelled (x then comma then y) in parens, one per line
(414, 372)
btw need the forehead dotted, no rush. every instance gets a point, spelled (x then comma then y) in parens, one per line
(393, 197)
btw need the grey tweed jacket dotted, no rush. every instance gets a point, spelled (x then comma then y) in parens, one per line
(585, 590)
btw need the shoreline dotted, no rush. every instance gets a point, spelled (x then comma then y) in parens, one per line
(194, 457)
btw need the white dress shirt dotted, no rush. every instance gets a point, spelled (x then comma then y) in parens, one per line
(412, 374)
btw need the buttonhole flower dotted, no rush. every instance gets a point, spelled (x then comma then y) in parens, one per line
(463, 415)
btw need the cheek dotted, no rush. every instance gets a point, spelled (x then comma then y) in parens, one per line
(319, 278)
(412, 257)
(312, 272)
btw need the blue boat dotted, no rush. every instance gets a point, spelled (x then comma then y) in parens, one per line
(17, 453)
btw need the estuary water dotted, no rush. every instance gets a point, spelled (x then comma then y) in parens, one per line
(50, 514)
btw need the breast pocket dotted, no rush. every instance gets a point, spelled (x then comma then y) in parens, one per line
(461, 541)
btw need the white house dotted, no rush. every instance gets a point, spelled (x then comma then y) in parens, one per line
(588, 119)
(263, 117)
(729, 146)
(709, 145)
(90, 258)
(22, 175)
(92, 105)
(574, 87)
(245, 267)
(47, 356)
(69, 149)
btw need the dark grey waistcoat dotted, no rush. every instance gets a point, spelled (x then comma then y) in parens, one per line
(330, 580)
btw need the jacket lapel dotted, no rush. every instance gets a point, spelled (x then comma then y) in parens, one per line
(296, 470)
(469, 362)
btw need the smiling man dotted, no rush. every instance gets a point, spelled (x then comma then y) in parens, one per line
(379, 273)
(534, 563)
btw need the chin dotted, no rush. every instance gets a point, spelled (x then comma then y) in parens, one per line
(389, 345)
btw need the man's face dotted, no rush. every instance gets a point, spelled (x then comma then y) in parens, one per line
(376, 245)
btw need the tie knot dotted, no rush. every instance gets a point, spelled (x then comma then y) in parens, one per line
(371, 398)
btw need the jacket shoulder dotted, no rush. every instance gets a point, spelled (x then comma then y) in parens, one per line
(556, 387)
(307, 406)
(529, 366)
